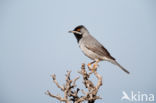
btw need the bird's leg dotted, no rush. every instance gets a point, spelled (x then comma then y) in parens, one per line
(90, 65)
(95, 65)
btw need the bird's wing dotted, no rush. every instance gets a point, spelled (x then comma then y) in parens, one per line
(97, 47)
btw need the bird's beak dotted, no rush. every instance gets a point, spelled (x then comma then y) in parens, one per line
(75, 32)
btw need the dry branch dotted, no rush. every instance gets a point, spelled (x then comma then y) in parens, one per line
(71, 92)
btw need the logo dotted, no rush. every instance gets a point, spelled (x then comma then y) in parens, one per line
(137, 97)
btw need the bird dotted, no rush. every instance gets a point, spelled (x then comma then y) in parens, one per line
(92, 48)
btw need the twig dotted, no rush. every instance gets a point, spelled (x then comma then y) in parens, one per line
(57, 84)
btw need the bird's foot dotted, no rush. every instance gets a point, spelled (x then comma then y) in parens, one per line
(89, 66)
(94, 67)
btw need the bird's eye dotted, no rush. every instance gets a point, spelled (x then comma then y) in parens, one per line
(78, 30)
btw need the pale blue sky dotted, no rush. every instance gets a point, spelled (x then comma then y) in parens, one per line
(35, 43)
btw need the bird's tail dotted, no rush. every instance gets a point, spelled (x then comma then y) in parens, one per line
(116, 63)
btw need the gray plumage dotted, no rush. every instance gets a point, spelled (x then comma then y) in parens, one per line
(92, 48)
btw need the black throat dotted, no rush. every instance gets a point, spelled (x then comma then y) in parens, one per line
(78, 37)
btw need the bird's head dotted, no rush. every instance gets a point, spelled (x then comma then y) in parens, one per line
(79, 32)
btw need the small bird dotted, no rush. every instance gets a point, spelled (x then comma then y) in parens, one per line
(92, 48)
